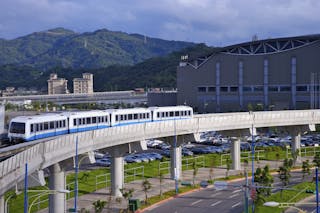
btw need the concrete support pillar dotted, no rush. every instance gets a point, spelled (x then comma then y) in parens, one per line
(2, 209)
(57, 181)
(235, 155)
(296, 140)
(117, 178)
(176, 162)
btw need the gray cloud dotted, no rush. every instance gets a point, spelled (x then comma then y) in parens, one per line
(215, 22)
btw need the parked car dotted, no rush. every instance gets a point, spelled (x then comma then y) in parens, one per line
(103, 162)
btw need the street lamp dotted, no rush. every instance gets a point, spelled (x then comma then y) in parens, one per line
(45, 192)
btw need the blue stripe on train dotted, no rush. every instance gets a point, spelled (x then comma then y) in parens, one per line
(82, 129)
(46, 135)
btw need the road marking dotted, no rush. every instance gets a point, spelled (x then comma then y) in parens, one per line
(213, 195)
(235, 195)
(239, 190)
(195, 202)
(216, 203)
(237, 204)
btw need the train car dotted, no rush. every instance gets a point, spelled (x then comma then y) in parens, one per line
(84, 121)
(171, 113)
(129, 116)
(28, 128)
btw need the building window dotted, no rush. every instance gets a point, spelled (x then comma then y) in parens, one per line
(285, 88)
(247, 89)
(302, 88)
(202, 89)
(258, 88)
(211, 89)
(233, 89)
(273, 89)
(224, 89)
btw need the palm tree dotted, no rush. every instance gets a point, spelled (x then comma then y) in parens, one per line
(195, 172)
(146, 185)
(161, 181)
(99, 205)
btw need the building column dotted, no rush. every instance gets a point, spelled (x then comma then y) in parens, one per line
(293, 81)
(265, 83)
(57, 181)
(218, 87)
(240, 81)
(2, 209)
(235, 155)
(176, 162)
(117, 178)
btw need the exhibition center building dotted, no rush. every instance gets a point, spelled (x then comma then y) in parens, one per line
(271, 74)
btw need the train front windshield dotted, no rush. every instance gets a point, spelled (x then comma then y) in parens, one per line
(18, 128)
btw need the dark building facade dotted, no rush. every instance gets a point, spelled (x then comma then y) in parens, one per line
(282, 73)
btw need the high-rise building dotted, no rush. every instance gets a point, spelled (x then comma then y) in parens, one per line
(57, 85)
(84, 84)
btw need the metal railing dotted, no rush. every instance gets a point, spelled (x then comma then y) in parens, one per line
(102, 179)
(164, 166)
(188, 162)
(133, 173)
(243, 155)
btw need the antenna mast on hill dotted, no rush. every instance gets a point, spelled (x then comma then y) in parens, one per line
(145, 39)
(85, 43)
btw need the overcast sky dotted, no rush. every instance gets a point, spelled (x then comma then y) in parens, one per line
(214, 22)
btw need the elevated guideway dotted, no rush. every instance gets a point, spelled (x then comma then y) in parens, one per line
(56, 150)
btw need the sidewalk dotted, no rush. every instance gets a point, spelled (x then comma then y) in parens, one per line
(85, 201)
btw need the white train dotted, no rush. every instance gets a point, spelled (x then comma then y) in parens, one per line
(28, 128)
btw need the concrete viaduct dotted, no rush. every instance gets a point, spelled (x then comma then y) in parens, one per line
(55, 153)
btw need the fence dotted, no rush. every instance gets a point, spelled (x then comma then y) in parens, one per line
(132, 173)
(164, 166)
(244, 155)
(102, 179)
(187, 162)
(309, 151)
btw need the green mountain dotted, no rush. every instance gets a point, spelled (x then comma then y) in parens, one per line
(64, 48)
(153, 72)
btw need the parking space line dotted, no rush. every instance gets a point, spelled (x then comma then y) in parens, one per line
(195, 202)
(235, 195)
(216, 203)
(237, 204)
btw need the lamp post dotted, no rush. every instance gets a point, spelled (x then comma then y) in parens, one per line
(43, 193)
(280, 205)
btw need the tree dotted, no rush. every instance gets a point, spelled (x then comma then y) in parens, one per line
(99, 205)
(228, 167)
(212, 164)
(161, 176)
(305, 168)
(277, 158)
(146, 185)
(284, 172)
(316, 159)
(127, 194)
(263, 178)
(195, 172)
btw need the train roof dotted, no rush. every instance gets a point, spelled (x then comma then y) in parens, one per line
(85, 113)
(169, 108)
(39, 118)
(131, 110)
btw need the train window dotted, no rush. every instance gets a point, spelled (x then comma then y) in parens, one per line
(189, 113)
(45, 126)
(176, 113)
(83, 121)
(135, 116)
(171, 114)
(88, 120)
(130, 117)
(51, 125)
(158, 114)
(16, 127)
(143, 115)
(37, 127)
(117, 117)
(41, 126)
(31, 128)
(79, 121)
(94, 120)
(148, 115)
(64, 123)
(162, 114)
